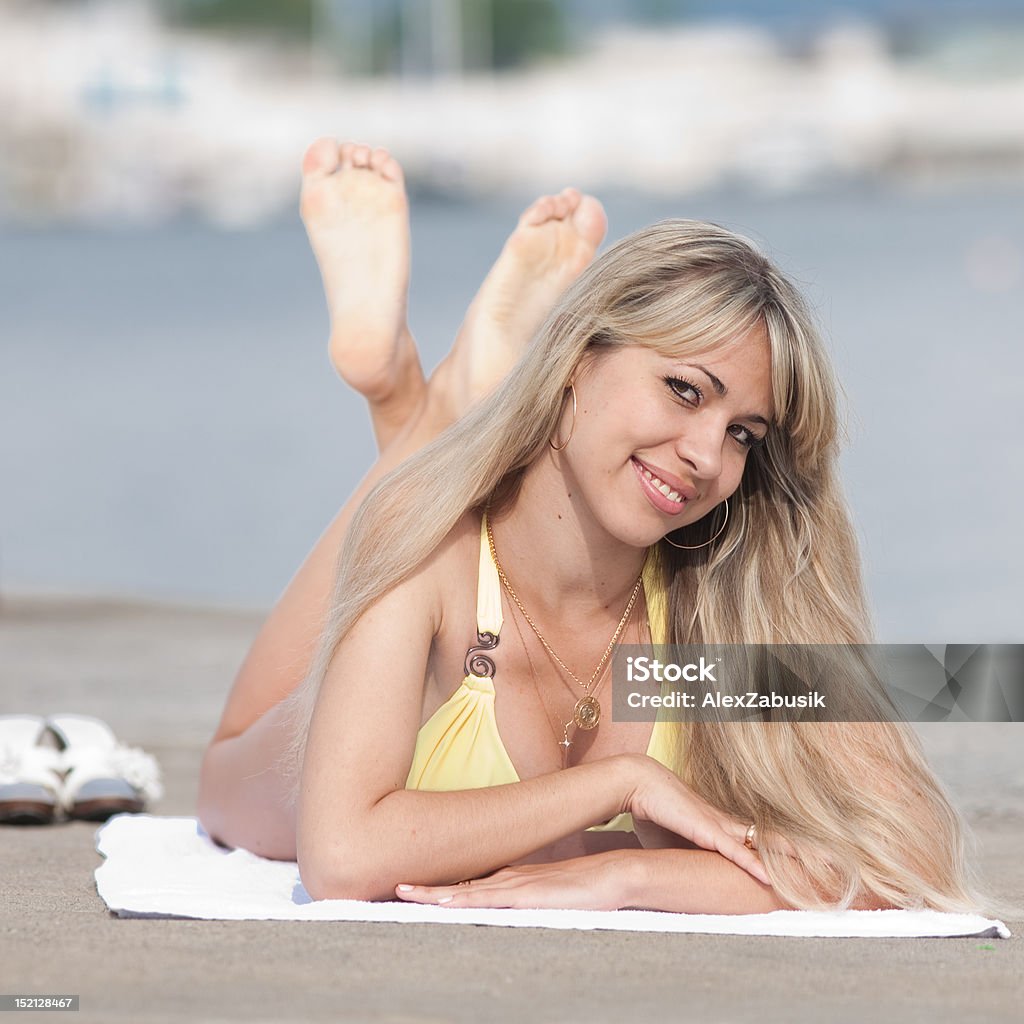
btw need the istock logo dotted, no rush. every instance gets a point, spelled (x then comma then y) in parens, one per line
(643, 670)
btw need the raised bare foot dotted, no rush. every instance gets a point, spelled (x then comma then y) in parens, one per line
(357, 218)
(555, 238)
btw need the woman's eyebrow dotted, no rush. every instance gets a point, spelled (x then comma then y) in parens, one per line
(721, 390)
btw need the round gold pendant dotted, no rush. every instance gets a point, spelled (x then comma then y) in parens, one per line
(587, 713)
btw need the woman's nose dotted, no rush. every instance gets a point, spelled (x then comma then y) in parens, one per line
(701, 449)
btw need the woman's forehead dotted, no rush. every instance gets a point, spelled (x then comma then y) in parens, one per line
(750, 350)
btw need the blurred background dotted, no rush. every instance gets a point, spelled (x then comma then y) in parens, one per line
(170, 427)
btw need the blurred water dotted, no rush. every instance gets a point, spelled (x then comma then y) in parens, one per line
(171, 427)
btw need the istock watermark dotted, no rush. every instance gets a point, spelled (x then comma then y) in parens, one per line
(819, 682)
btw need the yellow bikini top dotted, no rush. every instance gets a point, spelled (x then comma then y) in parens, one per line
(460, 748)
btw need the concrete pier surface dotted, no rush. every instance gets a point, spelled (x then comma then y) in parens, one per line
(159, 674)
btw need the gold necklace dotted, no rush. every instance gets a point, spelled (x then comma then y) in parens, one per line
(565, 743)
(587, 712)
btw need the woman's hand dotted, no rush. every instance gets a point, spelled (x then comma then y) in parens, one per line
(596, 882)
(661, 797)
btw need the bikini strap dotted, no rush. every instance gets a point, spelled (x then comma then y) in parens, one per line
(488, 588)
(488, 595)
(488, 611)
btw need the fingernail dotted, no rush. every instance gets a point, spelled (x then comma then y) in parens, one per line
(406, 888)
(445, 899)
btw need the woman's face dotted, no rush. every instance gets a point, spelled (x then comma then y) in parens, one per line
(648, 423)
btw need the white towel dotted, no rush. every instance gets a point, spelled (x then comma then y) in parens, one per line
(169, 867)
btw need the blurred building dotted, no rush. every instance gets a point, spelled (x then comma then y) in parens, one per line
(110, 111)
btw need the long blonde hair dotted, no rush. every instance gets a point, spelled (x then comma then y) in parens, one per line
(859, 801)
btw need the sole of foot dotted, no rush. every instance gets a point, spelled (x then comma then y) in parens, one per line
(555, 238)
(354, 207)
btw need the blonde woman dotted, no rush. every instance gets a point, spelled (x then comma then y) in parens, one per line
(658, 465)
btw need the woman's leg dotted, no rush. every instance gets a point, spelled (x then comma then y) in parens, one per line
(242, 800)
(356, 214)
(554, 239)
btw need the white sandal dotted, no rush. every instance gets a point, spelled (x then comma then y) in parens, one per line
(30, 782)
(103, 776)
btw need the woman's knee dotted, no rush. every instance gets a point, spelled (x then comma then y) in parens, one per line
(244, 800)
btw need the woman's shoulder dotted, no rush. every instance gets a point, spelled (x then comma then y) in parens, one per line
(441, 581)
(450, 572)
(458, 552)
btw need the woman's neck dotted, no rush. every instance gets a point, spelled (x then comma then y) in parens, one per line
(558, 557)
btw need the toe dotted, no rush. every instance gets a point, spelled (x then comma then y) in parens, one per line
(392, 170)
(321, 158)
(538, 211)
(385, 165)
(361, 156)
(572, 197)
(590, 220)
(561, 205)
(345, 157)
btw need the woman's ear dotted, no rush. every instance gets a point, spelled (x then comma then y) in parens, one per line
(583, 367)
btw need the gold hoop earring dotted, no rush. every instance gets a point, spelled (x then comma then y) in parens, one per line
(694, 547)
(559, 447)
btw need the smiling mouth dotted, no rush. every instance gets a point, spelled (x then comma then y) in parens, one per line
(662, 496)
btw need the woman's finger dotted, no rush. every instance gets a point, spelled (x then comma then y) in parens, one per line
(736, 830)
(778, 843)
(426, 893)
(723, 835)
(458, 895)
(746, 859)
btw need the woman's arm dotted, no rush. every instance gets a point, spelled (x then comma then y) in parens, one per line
(683, 881)
(680, 881)
(693, 882)
(360, 832)
(703, 882)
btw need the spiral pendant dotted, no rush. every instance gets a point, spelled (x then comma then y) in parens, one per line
(587, 712)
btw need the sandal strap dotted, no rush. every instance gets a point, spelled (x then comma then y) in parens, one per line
(38, 765)
(130, 764)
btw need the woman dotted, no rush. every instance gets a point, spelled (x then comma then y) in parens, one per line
(659, 465)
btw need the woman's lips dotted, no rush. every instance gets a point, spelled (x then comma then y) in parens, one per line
(651, 486)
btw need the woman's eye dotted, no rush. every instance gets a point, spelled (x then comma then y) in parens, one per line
(746, 437)
(692, 395)
(685, 389)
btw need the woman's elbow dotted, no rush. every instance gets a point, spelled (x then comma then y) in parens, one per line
(335, 869)
(324, 879)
